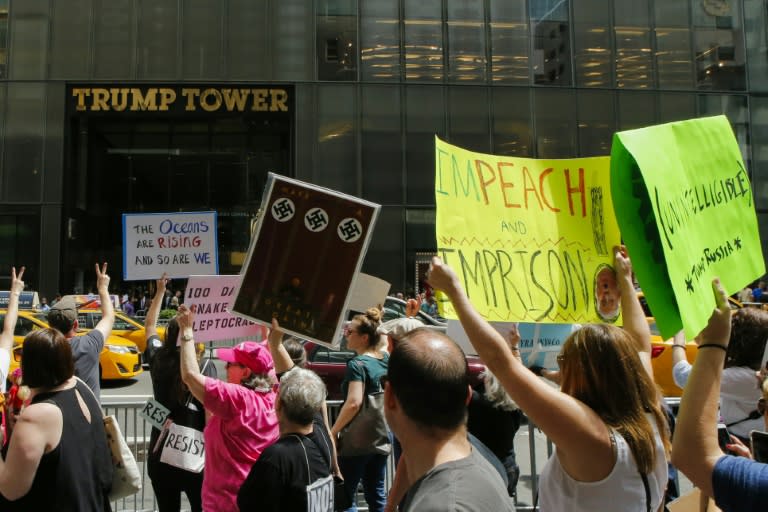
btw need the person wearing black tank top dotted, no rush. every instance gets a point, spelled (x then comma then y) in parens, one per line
(60, 430)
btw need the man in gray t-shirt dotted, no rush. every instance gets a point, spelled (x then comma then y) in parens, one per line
(86, 349)
(425, 402)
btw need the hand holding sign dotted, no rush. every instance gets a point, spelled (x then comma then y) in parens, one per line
(442, 277)
(185, 318)
(718, 329)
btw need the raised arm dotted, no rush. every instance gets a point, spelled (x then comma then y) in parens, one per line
(11, 315)
(153, 313)
(582, 439)
(694, 449)
(280, 356)
(632, 312)
(107, 310)
(190, 370)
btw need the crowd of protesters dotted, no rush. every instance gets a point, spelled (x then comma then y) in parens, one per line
(269, 444)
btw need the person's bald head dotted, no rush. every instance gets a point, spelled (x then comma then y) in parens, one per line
(428, 375)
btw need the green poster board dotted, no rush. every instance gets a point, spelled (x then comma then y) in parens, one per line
(684, 205)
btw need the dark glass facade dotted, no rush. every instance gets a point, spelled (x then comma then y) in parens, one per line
(372, 82)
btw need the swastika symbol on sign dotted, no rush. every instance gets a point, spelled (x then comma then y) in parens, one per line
(283, 209)
(350, 230)
(316, 220)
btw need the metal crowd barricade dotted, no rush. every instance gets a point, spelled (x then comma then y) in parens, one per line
(137, 433)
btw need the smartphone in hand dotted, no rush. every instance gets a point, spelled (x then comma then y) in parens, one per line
(759, 445)
(723, 436)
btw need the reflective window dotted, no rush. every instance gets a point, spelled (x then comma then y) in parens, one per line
(468, 118)
(509, 41)
(674, 59)
(419, 238)
(24, 131)
(384, 258)
(114, 39)
(29, 39)
(633, 57)
(511, 113)
(425, 118)
(381, 145)
(756, 28)
(157, 39)
(636, 110)
(379, 40)
(597, 122)
(54, 144)
(336, 29)
(759, 121)
(674, 64)
(423, 40)
(70, 34)
(335, 164)
(466, 41)
(734, 107)
(718, 45)
(247, 38)
(551, 31)
(676, 107)
(20, 244)
(3, 38)
(593, 57)
(202, 39)
(292, 27)
(555, 112)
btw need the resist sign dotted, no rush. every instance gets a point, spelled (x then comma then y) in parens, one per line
(180, 244)
(213, 322)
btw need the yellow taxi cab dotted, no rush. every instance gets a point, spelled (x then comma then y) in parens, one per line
(124, 326)
(661, 351)
(119, 359)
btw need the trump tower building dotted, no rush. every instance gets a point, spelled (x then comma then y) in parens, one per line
(114, 106)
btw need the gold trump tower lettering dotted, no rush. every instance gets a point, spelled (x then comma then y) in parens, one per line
(161, 99)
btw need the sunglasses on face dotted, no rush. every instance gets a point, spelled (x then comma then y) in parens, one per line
(349, 330)
(238, 365)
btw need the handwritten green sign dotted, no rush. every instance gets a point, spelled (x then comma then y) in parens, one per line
(684, 205)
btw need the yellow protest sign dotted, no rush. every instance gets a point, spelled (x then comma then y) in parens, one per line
(530, 239)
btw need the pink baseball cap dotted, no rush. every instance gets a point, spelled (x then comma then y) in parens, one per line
(250, 354)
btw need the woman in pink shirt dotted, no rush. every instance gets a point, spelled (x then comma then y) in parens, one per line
(243, 421)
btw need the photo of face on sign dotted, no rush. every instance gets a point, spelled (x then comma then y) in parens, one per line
(607, 293)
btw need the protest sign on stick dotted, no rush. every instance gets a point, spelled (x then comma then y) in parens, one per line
(179, 244)
(213, 296)
(684, 203)
(308, 246)
(531, 240)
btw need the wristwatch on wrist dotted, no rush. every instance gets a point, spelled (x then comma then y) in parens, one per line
(187, 336)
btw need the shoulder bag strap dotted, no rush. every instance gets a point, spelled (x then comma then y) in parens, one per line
(86, 386)
(752, 416)
(647, 492)
(306, 458)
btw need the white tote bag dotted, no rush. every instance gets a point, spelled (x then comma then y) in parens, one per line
(184, 447)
